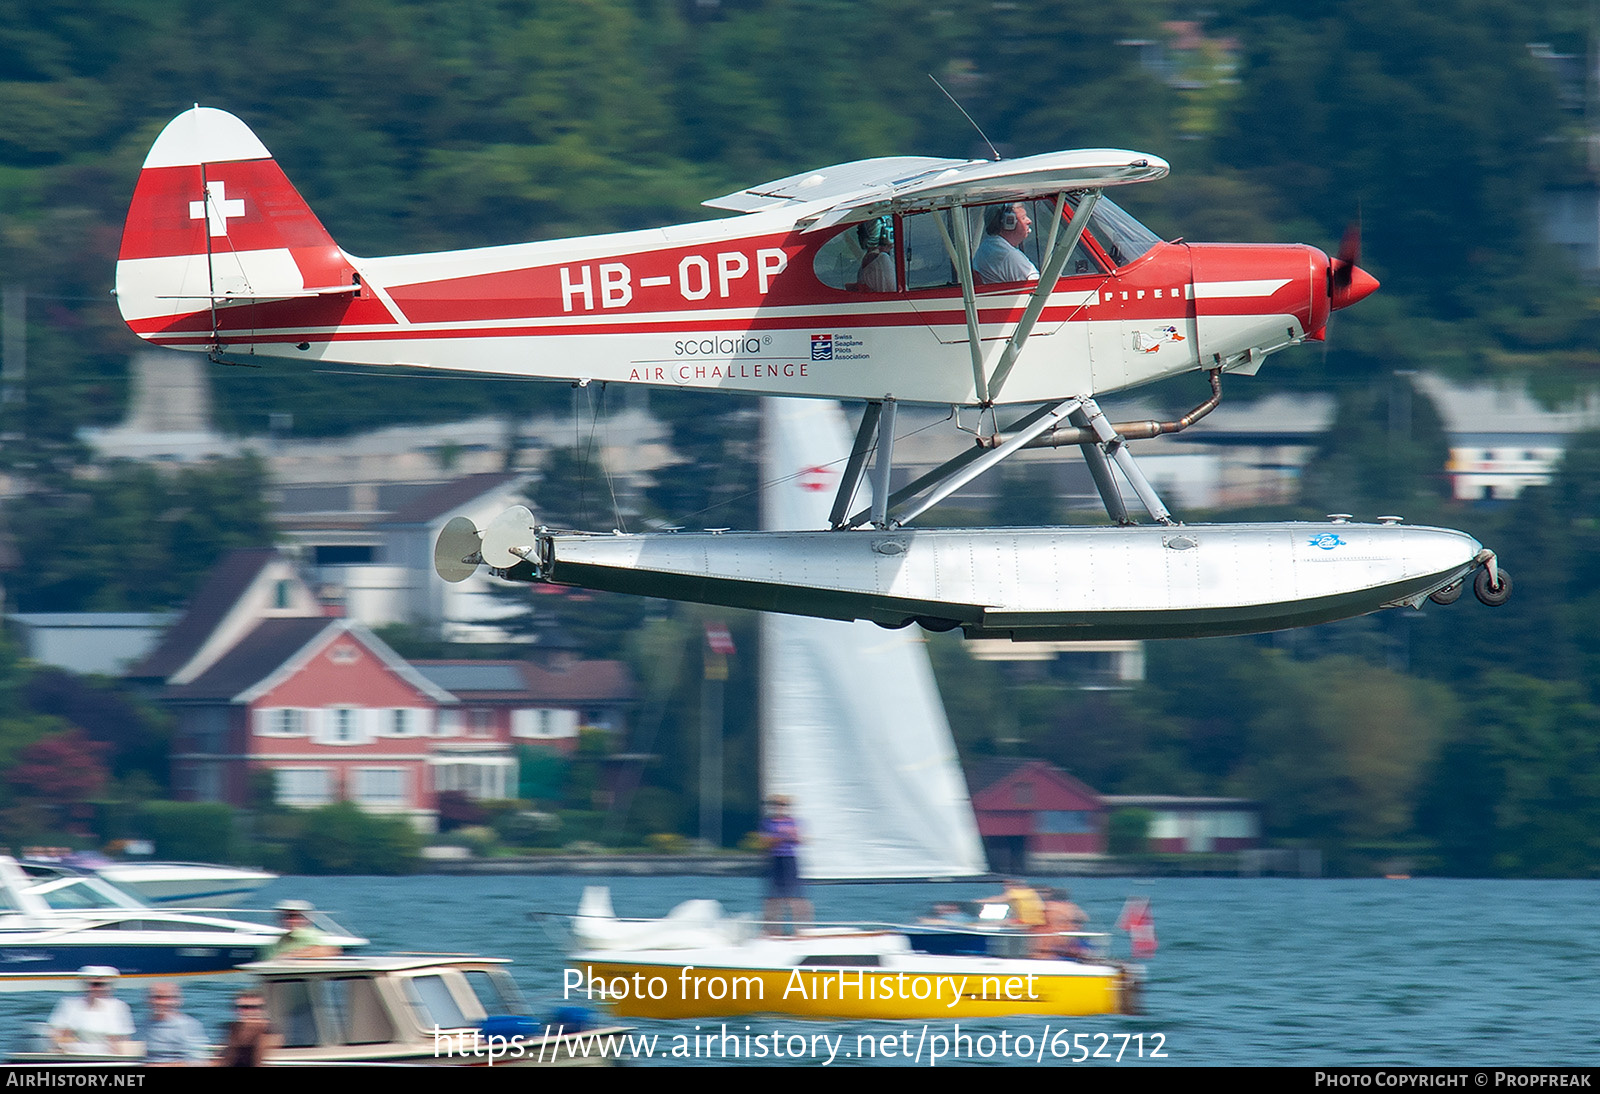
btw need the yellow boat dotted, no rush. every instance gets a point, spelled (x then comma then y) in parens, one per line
(696, 964)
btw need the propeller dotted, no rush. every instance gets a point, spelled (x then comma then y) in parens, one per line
(1348, 282)
(1342, 269)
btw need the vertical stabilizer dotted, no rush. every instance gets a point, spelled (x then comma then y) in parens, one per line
(215, 223)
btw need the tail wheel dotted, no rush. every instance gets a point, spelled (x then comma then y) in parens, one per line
(1490, 594)
(1449, 594)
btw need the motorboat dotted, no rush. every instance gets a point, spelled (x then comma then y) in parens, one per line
(401, 1009)
(699, 963)
(168, 884)
(55, 920)
(187, 884)
(419, 1009)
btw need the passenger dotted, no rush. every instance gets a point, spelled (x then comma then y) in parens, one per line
(300, 938)
(172, 1038)
(250, 1036)
(780, 833)
(998, 258)
(1025, 909)
(1062, 919)
(96, 1022)
(877, 258)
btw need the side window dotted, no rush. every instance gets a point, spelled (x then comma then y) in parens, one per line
(927, 262)
(860, 259)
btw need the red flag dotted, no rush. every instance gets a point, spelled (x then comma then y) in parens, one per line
(1140, 925)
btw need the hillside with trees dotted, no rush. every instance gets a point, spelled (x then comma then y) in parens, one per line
(1463, 740)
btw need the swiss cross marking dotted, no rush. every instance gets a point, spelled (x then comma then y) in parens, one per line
(220, 208)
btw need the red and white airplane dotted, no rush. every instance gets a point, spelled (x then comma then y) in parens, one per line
(900, 280)
(222, 255)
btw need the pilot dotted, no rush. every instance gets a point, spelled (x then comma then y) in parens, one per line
(877, 255)
(998, 258)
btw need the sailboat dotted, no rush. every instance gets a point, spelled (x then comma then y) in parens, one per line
(855, 735)
(853, 731)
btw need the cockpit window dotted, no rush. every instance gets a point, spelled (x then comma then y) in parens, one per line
(883, 254)
(928, 264)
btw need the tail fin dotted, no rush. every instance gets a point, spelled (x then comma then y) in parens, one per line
(214, 223)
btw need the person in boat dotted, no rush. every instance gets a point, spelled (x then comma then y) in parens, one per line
(171, 1037)
(1024, 908)
(96, 1022)
(1061, 919)
(780, 834)
(250, 1035)
(300, 938)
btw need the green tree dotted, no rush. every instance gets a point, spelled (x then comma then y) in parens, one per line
(135, 537)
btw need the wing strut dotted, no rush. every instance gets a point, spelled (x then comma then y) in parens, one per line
(1100, 471)
(960, 252)
(1058, 251)
(851, 479)
(1058, 248)
(882, 463)
(955, 473)
(1117, 446)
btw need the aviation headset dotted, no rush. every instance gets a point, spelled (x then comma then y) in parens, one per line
(1002, 218)
(876, 233)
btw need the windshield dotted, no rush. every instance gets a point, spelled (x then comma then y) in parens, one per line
(1122, 238)
(77, 893)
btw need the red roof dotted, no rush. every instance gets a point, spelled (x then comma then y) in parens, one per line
(1029, 786)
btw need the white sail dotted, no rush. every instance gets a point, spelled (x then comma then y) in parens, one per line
(853, 729)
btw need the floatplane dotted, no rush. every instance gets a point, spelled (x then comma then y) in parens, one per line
(990, 287)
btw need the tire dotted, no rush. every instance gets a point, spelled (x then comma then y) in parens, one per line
(1449, 594)
(1491, 595)
(937, 626)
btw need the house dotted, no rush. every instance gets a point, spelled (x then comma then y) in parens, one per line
(243, 589)
(328, 710)
(1195, 825)
(260, 678)
(1029, 809)
(89, 642)
(1032, 815)
(1501, 439)
(370, 546)
(520, 702)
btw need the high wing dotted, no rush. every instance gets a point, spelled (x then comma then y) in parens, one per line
(864, 189)
(831, 183)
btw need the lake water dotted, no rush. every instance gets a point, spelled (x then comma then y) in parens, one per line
(1249, 971)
